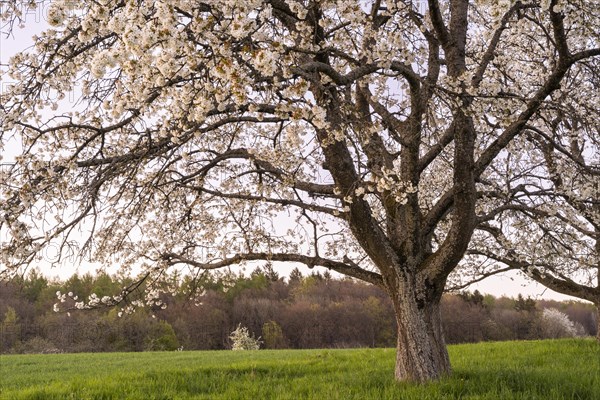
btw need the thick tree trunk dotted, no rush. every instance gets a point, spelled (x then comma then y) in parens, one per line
(598, 322)
(421, 350)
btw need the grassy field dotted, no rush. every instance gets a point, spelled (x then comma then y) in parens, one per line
(564, 369)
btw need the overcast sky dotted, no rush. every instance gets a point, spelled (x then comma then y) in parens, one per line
(509, 284)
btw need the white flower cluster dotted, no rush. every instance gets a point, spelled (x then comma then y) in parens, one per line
(93, 301)
(388, 181)
(62, 298)
(102, 60)
(57, 13)
(242, 340)
(153, 299)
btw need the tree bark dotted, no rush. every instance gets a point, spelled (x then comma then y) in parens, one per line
(421, 349)
(598, 322)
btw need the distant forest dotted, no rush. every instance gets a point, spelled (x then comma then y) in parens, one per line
(314, 311)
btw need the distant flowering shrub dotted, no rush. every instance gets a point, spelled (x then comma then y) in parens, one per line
(242, 340)
(556, 324)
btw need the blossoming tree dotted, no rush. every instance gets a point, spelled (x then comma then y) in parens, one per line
(370, 128)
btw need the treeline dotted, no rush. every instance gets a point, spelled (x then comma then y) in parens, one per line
(314, 311)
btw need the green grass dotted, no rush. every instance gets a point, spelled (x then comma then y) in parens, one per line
(563, 369)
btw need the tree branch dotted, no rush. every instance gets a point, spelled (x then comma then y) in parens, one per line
(346, 268)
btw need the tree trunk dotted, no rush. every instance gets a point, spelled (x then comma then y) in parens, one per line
(421, 350)
(598, 321)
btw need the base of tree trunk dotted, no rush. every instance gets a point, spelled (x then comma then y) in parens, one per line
(421, 351)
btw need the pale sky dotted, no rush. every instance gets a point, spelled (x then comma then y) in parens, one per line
(508, 284)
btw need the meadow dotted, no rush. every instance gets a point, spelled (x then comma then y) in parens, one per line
(551, 369)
